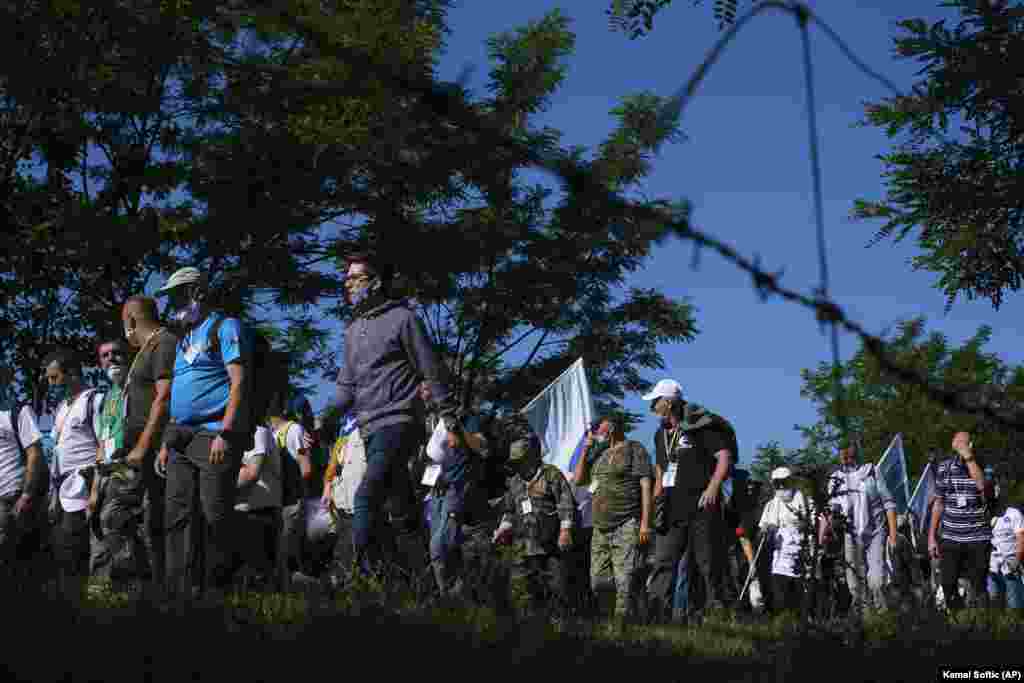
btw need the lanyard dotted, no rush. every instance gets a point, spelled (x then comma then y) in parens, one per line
(142, 351)
(59, 428)
(670, 447)
(131, 370)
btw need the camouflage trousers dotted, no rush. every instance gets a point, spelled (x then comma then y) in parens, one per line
(615, 557)
(129, 544)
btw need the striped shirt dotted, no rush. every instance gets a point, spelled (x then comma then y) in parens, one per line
(964, 514)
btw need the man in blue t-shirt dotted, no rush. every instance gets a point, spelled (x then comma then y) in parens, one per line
(208, 431)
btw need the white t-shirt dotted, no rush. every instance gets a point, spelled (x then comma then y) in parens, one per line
(74, 442)
(1004, 538)
(75, 447)
(265, 492)
(784, 516)
(12, 464)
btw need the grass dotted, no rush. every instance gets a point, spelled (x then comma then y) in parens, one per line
(113, 635)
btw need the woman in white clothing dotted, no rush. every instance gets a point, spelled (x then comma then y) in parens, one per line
(785, 519)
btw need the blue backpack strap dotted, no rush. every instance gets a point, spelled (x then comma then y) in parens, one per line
(213, 338)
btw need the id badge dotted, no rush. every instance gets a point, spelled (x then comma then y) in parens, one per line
(190, 354)
(527, 506)
(962, 500)
(593, 487)
(108, 448)
(668, 479)
(430, 475)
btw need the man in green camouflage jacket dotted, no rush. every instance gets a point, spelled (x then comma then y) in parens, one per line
(539, 509)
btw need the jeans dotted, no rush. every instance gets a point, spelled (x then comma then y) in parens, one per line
(1012, 586)
(445, 531)
(217, 488)
(681, 596)
(968, 560)
(387, 478)
(445, 537)
(865, 559)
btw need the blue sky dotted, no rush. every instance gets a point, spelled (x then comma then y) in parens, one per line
(745, 166)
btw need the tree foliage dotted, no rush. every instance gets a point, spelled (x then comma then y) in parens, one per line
(635, 18)
(546, 282)
(813, 456)
(251, 141)
(153, 135)
(877, 407)
(955, 180)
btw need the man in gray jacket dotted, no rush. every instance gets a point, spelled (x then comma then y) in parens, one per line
(387, 355)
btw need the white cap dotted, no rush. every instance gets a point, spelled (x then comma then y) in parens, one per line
(781, 473)
(184, 276)
(666, 388)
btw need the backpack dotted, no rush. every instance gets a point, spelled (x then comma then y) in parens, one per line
(264, 372)
(15, 419)
(740, 503)
(291, 473)
(90, 412)
(721, 424)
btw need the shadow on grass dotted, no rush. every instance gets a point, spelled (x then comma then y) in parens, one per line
(366, 630)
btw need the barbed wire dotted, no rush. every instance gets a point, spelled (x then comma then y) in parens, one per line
(450, 104)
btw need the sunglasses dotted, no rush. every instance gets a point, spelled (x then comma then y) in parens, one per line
(780, 484)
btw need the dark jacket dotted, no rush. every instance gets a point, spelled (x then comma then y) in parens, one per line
(387, 355)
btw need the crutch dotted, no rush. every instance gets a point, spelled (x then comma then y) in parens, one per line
(753, 565)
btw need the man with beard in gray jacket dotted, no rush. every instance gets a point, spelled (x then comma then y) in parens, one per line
(387, 355)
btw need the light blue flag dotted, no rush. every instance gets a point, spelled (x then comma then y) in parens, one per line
(560, 416)
(893, 468)
(919, 500)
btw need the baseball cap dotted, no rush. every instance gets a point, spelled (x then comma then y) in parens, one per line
(666, 388)
(781, 473)
(522, 449)
(184, 276)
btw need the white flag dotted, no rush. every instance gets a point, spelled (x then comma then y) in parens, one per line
(560, 415)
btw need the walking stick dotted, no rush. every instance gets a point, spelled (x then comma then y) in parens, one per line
(753, 566)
